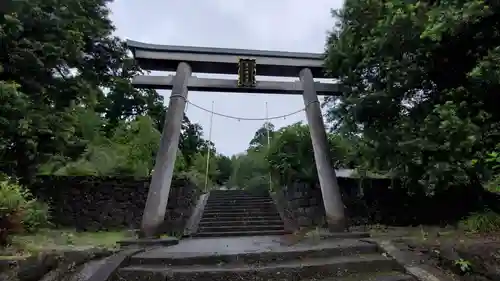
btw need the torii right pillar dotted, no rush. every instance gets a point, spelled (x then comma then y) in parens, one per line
(332, 200)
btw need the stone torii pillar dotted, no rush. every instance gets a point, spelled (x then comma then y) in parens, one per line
(159, 188)
(334, 207)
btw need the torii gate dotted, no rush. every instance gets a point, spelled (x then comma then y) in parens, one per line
(247, 64)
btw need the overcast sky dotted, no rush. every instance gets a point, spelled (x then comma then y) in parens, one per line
(282, 25)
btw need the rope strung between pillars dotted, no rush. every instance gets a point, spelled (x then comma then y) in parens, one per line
(266, 119)
(284, 116)
(208, 146)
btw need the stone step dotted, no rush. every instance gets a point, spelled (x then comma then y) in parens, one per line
(339, 248)
(273, 217)
(346, 235)
(238, 200)
(314, 268)
(236, 194)
(247, 213)
(240, 207)
(241, 218)
(239, 222)
(241, 233)
(212, 193)
(237, 208)
(232, 191)
(238, 203)
(372, 276)
(203, 229)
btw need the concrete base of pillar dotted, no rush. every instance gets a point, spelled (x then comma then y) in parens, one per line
(336, 224)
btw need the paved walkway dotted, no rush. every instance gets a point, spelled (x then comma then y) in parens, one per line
(240, 245)
(227, 244)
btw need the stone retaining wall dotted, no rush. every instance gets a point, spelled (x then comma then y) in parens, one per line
(304, 204)
(381, 201)
(102, 203)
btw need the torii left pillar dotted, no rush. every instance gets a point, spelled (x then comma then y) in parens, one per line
(161, 180)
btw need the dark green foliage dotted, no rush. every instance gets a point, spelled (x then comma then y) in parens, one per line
(423, 81)
(67, 106)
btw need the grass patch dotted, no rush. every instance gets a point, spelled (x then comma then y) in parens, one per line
(483, 222)
(421, 233)
(51, 239)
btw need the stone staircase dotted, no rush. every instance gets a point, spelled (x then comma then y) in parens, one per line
(241, 239)
(239, 213)
(327, 260)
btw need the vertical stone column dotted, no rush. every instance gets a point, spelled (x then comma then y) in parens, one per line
(159, 188)
(334, 207)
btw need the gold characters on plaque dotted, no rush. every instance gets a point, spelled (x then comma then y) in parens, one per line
(247, 71)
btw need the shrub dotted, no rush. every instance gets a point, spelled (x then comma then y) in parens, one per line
(483, 222)
(36, 215)
(19, 211)
(12, 201)
(493, 185)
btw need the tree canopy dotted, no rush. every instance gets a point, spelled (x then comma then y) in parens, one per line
(423, 78)
(67, 105)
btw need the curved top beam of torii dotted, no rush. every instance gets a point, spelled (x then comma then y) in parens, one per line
(225, 61)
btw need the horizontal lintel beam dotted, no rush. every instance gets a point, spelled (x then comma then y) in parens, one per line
(225, 61)
(227, 85)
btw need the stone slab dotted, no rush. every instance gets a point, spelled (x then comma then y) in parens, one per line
(291, 270)
(147, 242)
(52, 262)
(108, 267)
(249, 250)
(239, 245)
(410, 262)
(233, 218)
(337, 235)
(242, 207)
(245, 201)
(236, 213)
(242, 227)
(242, 233)
(240, 222)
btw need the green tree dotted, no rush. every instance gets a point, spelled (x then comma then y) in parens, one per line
(224, 164)
(58, 55)
(130, 150)
(291, 158)
(192, 141)
(422, 79)
(250, 171)
(260, 139)
(67, 105)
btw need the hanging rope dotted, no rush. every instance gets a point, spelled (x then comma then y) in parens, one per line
(244, 118)
(251, 119)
